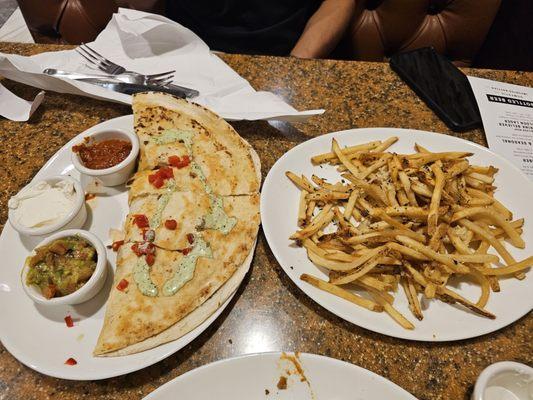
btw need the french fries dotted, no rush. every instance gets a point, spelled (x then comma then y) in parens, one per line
(338, 291)
(406, 220)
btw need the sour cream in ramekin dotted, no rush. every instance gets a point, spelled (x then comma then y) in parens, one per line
(43, 204)
(48, 205)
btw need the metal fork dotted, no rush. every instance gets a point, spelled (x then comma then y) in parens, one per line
(109, 67)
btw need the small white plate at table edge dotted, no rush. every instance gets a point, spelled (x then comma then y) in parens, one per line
(255, 376)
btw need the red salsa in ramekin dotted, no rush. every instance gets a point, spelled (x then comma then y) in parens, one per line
(103, 154)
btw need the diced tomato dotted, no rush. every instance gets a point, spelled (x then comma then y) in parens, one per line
(136, 250)
(116, 245)
(49, 291)
(185, 160)
(159, 182)
(158, 178)
(190, 238)
(150, 259)
(143, 248)
(69, 321)
(166, 172)
(174, 160)
(171, 224)
(152, 178)
(141, 221)
(71, 361)
(178, 162)
(122, 285)
(186, 250)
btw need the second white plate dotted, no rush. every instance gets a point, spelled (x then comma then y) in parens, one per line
(442, 322)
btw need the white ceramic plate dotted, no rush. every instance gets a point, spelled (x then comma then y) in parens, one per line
(251, 376)
(442, 322)
(38, 336)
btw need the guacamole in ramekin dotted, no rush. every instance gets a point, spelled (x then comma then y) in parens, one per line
(61, 267)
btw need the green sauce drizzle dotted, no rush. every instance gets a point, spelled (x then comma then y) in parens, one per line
(141, 275)
(175, 135)
(185, 269)
(217, 217)
(162, 202)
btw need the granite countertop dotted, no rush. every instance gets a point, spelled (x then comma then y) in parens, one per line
(269, 312)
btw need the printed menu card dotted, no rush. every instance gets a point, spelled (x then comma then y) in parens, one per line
(507, 114)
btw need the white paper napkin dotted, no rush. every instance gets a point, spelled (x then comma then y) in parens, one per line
(16, 109)
(149, 43)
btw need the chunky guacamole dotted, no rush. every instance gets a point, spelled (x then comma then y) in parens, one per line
(62, 266)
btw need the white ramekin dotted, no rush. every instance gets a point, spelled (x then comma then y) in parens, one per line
(119, 173)
(73, 220)
(506, 378)
(87, 291)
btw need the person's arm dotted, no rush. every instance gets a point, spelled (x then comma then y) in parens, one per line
(324, 29)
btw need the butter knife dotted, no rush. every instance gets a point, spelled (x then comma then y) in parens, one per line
(132, 88)
(84, 77)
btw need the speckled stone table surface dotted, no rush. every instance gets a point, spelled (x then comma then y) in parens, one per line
(269, 312)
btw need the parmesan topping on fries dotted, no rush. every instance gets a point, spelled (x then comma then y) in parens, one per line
(410, 220)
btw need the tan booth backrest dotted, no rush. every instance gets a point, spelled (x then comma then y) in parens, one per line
(75, 21)
(455, 28)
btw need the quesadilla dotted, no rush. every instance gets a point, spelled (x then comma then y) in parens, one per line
(191, 230)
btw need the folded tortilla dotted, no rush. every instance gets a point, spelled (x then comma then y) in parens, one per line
(226, 159)
(221, 184)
